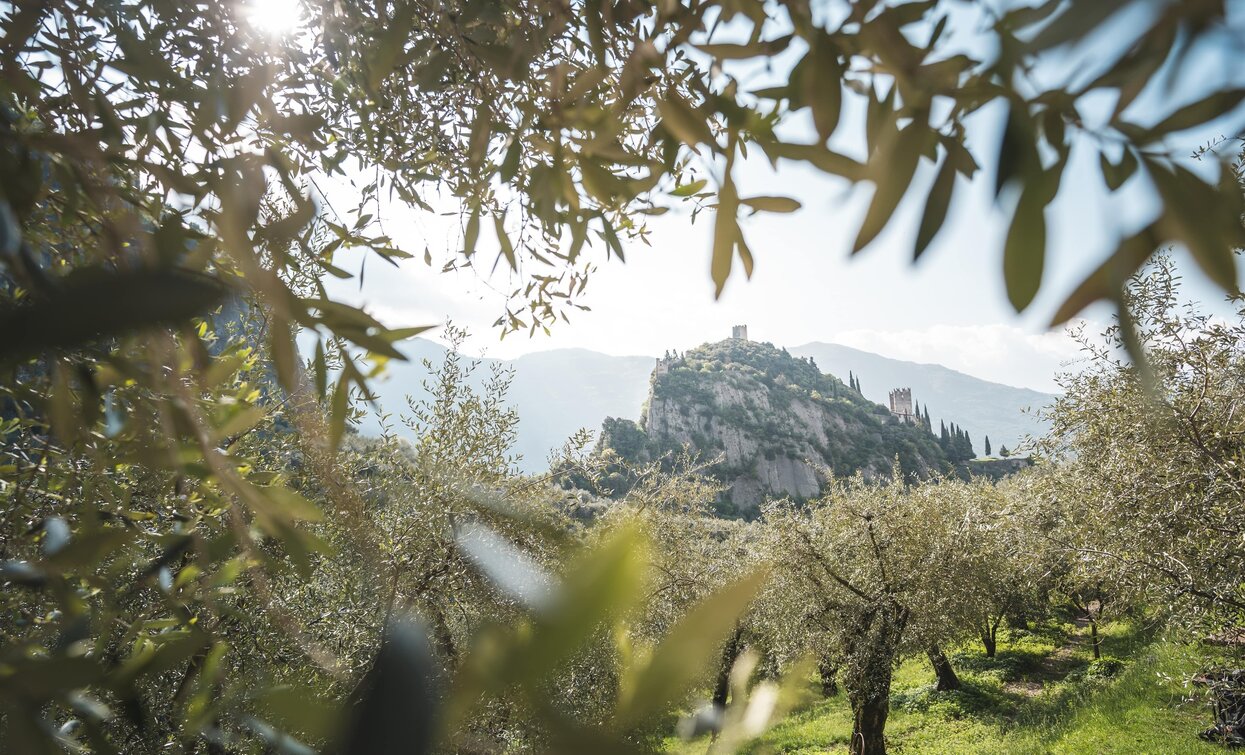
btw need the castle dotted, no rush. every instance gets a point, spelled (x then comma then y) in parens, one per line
(901, 406)
(739, 332)
(665, 362)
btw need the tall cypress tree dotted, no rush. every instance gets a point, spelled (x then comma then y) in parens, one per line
(928, 425)
(987, 445)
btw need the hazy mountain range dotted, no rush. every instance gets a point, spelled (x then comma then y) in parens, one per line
(558, 392)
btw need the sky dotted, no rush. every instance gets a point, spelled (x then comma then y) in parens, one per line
(949, 308)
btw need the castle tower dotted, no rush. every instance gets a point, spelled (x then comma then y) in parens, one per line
(901, 405)
(739, 332)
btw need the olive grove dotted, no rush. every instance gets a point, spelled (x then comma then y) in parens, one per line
(198, 555)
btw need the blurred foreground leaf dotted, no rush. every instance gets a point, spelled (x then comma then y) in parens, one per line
(94, 303)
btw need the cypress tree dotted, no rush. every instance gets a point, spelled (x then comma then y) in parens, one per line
(987, 445)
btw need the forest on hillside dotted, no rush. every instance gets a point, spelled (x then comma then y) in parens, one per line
(201, 554)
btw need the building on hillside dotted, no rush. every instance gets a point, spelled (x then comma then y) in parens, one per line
(901, 406)
(664, 363)
(739, 332)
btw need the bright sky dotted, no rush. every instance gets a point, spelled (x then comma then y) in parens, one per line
(950, 308)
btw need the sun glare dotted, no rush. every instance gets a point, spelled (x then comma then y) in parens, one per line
(276, 17)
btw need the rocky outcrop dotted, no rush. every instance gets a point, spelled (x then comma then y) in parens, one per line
(776, 426)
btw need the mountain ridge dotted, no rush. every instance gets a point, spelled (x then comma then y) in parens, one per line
(559, 391)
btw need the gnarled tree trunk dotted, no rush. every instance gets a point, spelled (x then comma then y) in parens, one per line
(867, 675)
(943, 670)
(869, 724)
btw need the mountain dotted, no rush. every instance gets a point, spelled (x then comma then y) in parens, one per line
(556, 393)
(1002, 412)
(775, 422)
(561, 391)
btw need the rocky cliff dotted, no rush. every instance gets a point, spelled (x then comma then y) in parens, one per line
(775, 423)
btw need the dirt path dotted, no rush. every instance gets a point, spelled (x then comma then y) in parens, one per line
(1053, 667)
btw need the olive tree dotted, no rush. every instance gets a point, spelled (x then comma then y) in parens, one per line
(1008, 551)
(694, 552)
(1149, 492)
(876, 572)
(164, 160)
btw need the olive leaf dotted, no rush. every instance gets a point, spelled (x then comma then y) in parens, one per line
(91, 304)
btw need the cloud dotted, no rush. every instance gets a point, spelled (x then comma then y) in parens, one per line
(999, 353)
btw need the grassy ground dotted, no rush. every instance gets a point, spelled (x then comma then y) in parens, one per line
(1041, 694)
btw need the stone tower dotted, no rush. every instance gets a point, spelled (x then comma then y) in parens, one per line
(901, 405)
(739, 332)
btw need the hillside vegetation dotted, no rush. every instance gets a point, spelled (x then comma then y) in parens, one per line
(1003, 413)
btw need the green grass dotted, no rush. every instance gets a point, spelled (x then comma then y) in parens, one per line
(1039, 695)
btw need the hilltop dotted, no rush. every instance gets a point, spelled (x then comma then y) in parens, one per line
(775, 421)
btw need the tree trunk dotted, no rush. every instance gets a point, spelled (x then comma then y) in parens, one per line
(869, 725)
(867, 680)
(873, 644)
(730, 653)
(990, 642)
(444, 638)
(1094, 639)
(829, 682)
(943, 670)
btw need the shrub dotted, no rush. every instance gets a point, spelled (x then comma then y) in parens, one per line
(1106, 667)
(1005, 666)
(968, 701)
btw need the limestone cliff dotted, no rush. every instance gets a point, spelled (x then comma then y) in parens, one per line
(775, 422)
